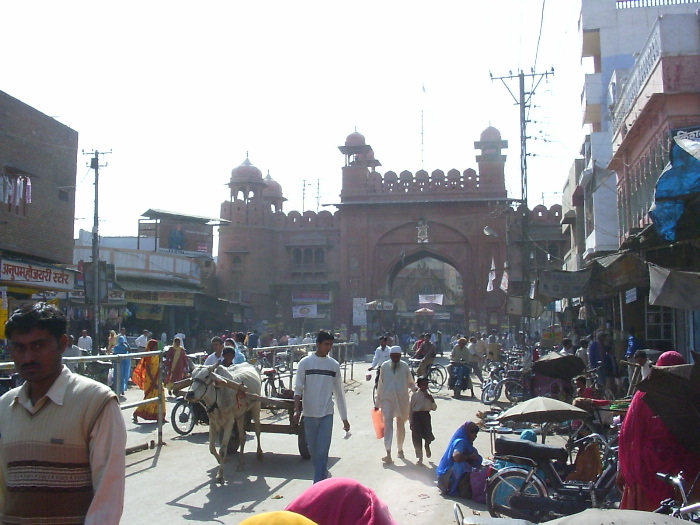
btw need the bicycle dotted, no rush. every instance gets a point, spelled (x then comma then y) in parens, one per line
(436, 374)
(274, 385)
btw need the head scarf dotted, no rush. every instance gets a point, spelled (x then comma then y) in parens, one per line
(670, 358)
(529, 435)
(280, 517)
(462, 433)
(152, 346)
(341, 501)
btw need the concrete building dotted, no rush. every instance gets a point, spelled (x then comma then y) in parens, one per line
(38, 158)
(659, 101)
(612, 33)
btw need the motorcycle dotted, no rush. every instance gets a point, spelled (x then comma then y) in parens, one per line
(460, 379)
(533, 490)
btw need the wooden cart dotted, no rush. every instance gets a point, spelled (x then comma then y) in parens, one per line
(186, 414)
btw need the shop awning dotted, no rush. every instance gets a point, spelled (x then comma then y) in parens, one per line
(153, 285)
(616, 272)
(674, 288)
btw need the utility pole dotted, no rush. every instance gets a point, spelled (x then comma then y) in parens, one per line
(95, 165)
(523, 101)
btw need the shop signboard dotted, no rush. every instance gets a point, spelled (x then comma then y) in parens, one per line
(36, 275)
(161, 298)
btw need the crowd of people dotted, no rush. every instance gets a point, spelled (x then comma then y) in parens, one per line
(71, 409)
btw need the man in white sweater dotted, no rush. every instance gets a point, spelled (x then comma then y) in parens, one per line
(318, 382)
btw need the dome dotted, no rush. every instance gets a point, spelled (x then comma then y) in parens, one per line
(246, 172)
(355, 139)
(490, 134)
(273, 189)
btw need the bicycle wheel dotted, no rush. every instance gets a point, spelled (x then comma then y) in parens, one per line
(514, 391)
(271, 391)
(374, 395)
(436, 375)
(442, 371)
(509, 482)
(434, 386)
(490, 393)
(183, 417)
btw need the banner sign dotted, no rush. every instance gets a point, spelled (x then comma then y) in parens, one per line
(558, 283)
(431, 299)
(312, 297)
(37, 275)
(163, 298)
(359, 313)
(307, 310)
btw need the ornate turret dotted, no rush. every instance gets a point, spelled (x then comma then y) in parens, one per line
(491, 162)
(273, 193)
(246, 182)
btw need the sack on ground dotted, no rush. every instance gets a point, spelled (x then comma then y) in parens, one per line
(478, 479)
(464, 489)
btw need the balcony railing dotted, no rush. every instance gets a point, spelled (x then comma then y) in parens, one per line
(633, 4)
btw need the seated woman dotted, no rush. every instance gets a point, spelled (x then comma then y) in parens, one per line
(460, 458)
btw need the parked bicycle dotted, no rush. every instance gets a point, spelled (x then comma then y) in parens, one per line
(680, 509)
(436, 374)
(499, 380)
(533, 490)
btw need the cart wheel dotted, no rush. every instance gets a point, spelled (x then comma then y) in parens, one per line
(301, 439)
(183, 417)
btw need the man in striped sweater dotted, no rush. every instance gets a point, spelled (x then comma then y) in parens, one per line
(62, 436)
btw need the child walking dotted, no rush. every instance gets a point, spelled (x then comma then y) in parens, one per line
(421, 427)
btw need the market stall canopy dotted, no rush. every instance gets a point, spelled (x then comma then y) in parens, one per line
(559, 366)
(673, 393)
(617, 272)
(543, 410)
(673, 288)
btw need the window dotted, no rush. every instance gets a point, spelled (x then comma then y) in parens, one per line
(63, 195)
(659, 325)
(15, 192)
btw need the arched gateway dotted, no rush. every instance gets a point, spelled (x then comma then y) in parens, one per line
(271, 262)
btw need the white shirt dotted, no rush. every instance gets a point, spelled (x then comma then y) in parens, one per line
(107, 458)
(85, 342)
(392, 389)
(141, 341)
(380, 356)
(72, 351)
(318, 382)
(213, 359)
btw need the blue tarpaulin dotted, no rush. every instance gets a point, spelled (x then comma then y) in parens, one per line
(680, 179)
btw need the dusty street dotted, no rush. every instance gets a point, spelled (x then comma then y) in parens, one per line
(175, 484)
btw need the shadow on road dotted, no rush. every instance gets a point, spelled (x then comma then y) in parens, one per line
(243, 492)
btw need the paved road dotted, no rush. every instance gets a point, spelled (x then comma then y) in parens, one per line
(175, 484)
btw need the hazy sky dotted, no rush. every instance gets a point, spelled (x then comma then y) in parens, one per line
(180, 91)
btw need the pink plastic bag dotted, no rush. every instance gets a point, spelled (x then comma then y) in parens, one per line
(378, 420)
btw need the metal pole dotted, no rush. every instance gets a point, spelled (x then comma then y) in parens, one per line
(525, 212)
(96, 261)
(161, 400)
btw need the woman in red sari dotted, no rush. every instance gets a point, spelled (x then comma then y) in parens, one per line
(647, 446)
(176, 364)
(145, 375)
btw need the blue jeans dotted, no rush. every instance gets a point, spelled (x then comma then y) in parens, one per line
(318, 437)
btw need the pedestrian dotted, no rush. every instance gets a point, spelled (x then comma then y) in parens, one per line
(395, 380)
(596, 352)
(419, 419)
(111, 341)
(460, 458)
(381, 355)
(216, 356)
(63, 435)
(72, 351)
(85, 342)
(142, 340)
(319, 382)
(146, 377)
(176, 365)
(124, 365)
(582, 352)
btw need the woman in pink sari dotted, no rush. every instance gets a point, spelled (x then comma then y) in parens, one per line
(647, 446)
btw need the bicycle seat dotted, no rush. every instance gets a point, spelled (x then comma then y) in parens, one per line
(527, 449)
(269, 371)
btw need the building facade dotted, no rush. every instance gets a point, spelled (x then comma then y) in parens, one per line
(335, 264)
